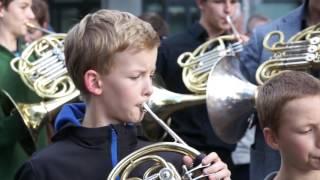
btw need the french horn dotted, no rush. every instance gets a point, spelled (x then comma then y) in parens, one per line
(300, 53)
(159, 168)
(42, 68)
(196, 65)
(231, 97)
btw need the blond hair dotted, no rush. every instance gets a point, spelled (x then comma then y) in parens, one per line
(94, 41)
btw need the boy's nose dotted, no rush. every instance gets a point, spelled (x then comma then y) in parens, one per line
(30, 14)
(148, 90)
(227, 7)
(317, 139)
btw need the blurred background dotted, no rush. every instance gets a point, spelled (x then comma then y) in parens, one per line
(178, 13)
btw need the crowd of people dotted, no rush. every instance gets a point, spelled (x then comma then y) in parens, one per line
(112, 56)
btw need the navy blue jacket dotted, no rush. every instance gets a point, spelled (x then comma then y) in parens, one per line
(83, 153)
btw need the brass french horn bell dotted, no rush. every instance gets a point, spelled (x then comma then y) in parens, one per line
(230, 100)
(33, 116)
(10, 107)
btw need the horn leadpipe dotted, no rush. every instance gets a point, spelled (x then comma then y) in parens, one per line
(233, 27)
(164, 125)
(32, 26)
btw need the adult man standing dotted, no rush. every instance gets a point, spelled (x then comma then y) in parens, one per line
(263, 159)
(192, 124)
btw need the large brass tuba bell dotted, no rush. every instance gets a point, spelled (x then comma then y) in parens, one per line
(159, 168)
(231, 98)
(41, 66)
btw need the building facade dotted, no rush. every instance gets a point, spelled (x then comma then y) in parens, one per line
(178, 13)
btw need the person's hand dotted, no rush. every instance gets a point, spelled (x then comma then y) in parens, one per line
(243, 38)
(218, 170)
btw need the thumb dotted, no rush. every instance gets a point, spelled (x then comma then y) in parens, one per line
(188, 161)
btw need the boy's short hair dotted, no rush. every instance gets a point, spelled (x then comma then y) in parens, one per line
(41, 11)
(157, 22)
(279, 90)
(254, 19)
(6, 3)
(94, 41)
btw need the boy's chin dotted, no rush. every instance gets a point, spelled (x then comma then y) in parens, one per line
(226, 27)
(23, 32)
(315, 164)
(137, 119)
(141, 117)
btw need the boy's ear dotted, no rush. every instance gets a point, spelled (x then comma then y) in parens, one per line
(270, 138)
(45, 25)
(92, 82)
(200, 3)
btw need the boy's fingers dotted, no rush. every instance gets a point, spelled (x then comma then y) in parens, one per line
(188, 161)
(211, 158)
(220, 175)
(215, 167)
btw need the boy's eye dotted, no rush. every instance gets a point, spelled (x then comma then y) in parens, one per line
(24, 6)
(305, 131)
(135, 77)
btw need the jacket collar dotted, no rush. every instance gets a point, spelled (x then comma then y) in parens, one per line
(198, 32)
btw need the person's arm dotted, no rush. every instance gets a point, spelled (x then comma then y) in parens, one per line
(26, 172)
(12, 128)
(250, 56)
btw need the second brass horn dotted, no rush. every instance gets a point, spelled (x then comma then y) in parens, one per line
(300, 52)
(42, 68)
(196, 65)
(231, 98)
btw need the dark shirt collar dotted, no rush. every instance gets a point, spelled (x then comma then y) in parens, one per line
(15, 53)
(198, 31)
(304, 14)
(96, 136)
